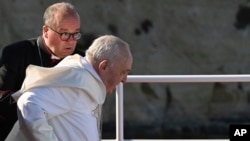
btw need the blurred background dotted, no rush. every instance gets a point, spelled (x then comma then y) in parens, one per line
(168, 37)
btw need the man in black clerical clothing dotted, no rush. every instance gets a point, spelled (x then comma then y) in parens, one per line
(60, 33)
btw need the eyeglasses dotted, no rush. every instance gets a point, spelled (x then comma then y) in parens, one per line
(64, 36)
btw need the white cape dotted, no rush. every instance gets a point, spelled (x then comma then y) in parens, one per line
(69, 73)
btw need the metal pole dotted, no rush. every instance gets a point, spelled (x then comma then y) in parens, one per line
(119, 112)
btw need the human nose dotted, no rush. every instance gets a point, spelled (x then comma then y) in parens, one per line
(124, 79)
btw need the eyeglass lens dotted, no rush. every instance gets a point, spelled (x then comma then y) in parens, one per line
(66, 36)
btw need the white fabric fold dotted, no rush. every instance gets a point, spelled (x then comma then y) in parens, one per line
(69, 72)
(71, 75)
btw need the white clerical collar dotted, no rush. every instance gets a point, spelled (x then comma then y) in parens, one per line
(54, 57)
(90, 68)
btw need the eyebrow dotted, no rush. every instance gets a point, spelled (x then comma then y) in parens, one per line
(129, 70)
(66, 30)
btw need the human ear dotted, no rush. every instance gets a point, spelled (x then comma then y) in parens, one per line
(45, 30)
(103, 65)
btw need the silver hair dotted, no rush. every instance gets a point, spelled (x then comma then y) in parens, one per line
(108, 47)
(65, 8)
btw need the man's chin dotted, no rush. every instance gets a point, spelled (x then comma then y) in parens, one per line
(110, 92)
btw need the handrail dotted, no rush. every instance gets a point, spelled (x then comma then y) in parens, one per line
(166, 79)
(188, 78)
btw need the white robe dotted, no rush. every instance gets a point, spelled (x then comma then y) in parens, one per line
(62, 103)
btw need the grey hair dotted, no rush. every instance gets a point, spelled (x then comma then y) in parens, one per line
(108, 47)
(65, 8)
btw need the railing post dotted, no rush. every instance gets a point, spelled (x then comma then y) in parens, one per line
(119, 112)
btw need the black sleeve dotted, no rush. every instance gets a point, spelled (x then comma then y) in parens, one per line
(13, 62)
(10, 73)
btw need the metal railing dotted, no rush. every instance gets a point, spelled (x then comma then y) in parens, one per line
(166, 79)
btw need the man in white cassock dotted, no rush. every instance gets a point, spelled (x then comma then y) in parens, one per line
(64, 103)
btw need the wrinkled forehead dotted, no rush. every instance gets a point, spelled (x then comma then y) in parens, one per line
(129, 59)
(124, 63)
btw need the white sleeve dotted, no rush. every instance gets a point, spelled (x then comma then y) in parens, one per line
(35, 108)
(40, 130)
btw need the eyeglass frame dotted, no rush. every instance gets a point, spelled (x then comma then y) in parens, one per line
(77, 34)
